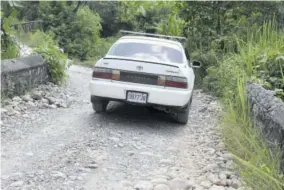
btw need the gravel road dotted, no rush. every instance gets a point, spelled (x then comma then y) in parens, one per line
(71, 147)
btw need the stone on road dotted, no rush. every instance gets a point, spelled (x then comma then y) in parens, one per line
(71, 147)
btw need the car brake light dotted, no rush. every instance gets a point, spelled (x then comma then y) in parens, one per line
(103, 73)
(178, 82)
(171, 81)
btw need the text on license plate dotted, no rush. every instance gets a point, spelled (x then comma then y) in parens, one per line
(138, 97)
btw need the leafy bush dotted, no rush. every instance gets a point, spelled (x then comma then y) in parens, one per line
(9, 48)
(76, 30)
(172, 25)
(143, 15)
(101, 48)
(259, 57)
(55, 59)
(87, 27)
(35, 39)
(207, 59)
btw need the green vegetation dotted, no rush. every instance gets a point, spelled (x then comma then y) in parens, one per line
(55, 59)
(76, 30)
(236, 42)
(259, 57)
(9, 47)
(258, 53)
(258, 165)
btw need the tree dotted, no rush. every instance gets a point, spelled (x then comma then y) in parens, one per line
(75, 30)
(109, 13)
(143, 15)
(9, 47)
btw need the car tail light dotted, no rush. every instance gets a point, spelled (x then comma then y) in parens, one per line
(161, 80)
(115, 75)
(171, 81)
(178, 82)
(103, 73)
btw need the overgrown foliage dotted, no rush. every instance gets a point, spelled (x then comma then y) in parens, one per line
(259, 57)
(9, 46)
(257, 60)
(77, 30)
(55, 59)
(258, 164)
(103, 45)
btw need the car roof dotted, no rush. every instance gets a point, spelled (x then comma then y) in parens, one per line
(152, 39)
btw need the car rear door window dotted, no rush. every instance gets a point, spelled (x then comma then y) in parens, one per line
(147, 51)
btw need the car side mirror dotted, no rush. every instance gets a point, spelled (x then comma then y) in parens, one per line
(195, 64)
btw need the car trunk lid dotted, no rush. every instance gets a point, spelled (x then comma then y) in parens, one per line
(142, 67)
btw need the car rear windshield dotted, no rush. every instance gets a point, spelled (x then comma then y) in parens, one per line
(147, 51)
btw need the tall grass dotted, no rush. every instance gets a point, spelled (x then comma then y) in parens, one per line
(259, 166)
(258, 51)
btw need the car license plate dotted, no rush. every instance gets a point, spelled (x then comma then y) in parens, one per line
(137, 97)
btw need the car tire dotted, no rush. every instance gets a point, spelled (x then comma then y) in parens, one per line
(100, 106)
(182, 115)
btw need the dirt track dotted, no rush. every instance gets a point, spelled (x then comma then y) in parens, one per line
(126, 148)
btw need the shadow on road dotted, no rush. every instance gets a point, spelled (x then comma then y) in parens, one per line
(136, 116)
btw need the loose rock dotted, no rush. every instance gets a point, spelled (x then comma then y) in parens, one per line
(27, 98)
(215, 187)
(212, 178)
(126, 183)
(120, 145)
(206, 184)
(166, 161)
(221, 182)
(198, 187)
(52, 106)
(161, 187)
(92, 166)
(143, 185)
(58, 174)
(17, 184)
(36, 95)
(44, 101)
(181, 184)
(30, 103)
(7, 101)
(51, 100)
(61, 105)
(222, 176)
(159, 181)
(17, 99)
(235, 183)
(130, 153)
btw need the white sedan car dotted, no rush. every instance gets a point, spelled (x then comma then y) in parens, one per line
(147, 71)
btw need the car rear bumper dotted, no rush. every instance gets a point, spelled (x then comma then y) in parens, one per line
(115, 90)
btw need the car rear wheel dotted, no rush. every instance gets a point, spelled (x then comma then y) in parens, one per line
(182, 115)
(100, 106)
